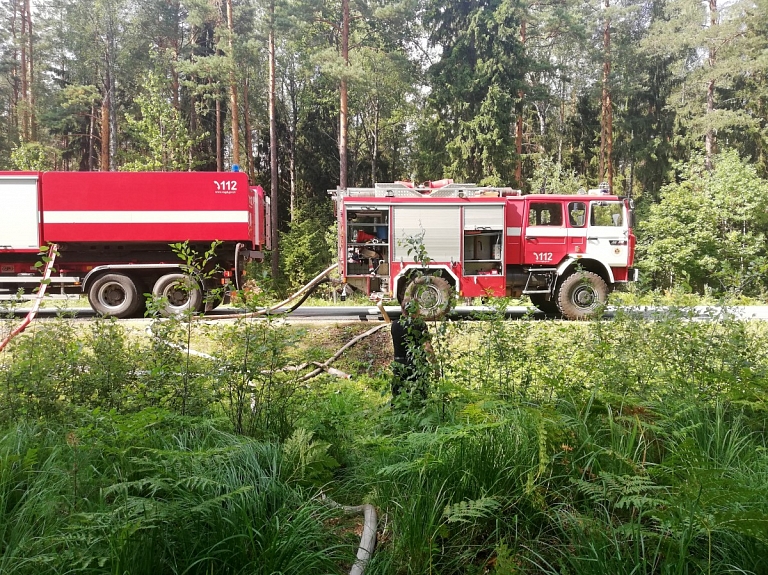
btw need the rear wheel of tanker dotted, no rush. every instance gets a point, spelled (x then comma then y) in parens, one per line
(427, 297)
(114, 295)
(581, 294)
(180, 293)
(546, 305)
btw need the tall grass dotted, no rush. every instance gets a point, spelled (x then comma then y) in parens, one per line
(628, 446)
(155, 494)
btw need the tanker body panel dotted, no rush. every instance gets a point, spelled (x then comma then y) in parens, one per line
(145, 207)
(114, 230)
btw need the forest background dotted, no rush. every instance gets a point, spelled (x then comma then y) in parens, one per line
(666, 100)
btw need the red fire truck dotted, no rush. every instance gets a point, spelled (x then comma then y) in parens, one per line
(113, 231)
(563, 251)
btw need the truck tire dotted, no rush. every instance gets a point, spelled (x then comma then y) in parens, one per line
(114, 295)
(546, 305)
(580, 294)
(181, 293)
(427, 297)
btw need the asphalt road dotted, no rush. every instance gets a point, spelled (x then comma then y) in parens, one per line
(371, 313)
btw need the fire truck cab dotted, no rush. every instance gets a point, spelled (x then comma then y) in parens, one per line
(566, 252)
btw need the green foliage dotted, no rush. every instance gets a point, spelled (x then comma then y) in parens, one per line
(309, 459)
(251, 383)
(304, 249)
(708, 231)
(552, 178)
(34, 156)
(43, 380)
(162, 139)
(153, 493)
(628, 446)
(474, 85)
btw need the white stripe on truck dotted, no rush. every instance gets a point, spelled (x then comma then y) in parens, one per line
(148, 217)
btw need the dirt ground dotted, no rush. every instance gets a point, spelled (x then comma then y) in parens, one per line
(370, 356)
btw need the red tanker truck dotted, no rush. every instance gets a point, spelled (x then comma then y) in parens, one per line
(114, 230)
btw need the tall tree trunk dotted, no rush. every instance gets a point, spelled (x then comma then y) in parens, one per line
(292, 139)
(375, 140)
(606, 127)
(395, 158)
(233, 86)
(24, 79)
(175, 83)
(112, 124)
(104, 165)
(343, 95)
(519, 125)
(219, 155)
(710, 142)
(108, 162)
(274, 183)
(561, 123)
(30, 74)
(13, 112)
(247, 136)
(91, 138)
(291, 98)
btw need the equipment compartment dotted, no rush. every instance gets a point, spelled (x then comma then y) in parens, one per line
(367, 242)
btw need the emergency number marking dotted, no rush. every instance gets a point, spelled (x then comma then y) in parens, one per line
(226, 186)
(543, 256)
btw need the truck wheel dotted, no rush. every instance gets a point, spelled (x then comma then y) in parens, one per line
(546, 305)
(427, 297)
(114, 295)
(581, 294)
(181, 292)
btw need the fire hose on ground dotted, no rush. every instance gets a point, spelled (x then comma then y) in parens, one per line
(302, 295)
(52, 250)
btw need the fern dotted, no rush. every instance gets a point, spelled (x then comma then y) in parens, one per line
(312, 465)
(623, 491)
(470, 510)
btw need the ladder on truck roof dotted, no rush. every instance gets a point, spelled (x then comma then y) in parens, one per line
(431, 190)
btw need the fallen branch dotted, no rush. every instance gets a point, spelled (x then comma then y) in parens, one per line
(324, 366)
(38, 300)
(319, 367)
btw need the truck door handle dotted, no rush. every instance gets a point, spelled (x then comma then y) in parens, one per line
(531, 239)
(592, 239)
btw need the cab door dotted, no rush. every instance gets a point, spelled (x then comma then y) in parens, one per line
(577, 212)
(608, 232)
(545, 233)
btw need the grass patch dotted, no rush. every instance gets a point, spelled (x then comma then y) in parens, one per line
(628, 446)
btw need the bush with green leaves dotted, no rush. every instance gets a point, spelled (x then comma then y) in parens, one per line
(304, 249)
(249, 379)
(709, 230)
